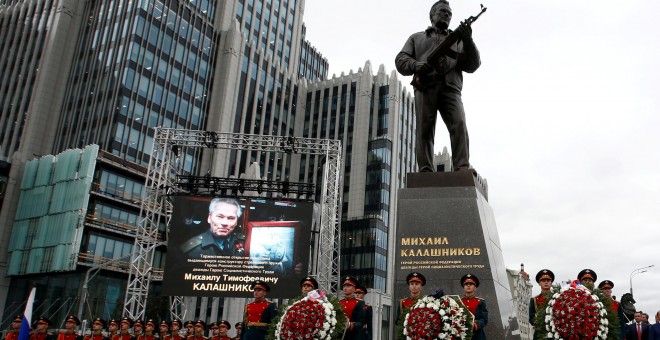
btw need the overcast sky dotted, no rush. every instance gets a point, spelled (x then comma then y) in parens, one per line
(564, 120)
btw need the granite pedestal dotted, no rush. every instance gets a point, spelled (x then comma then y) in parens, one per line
(446, 229)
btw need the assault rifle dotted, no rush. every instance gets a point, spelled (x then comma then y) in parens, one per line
(422, 82)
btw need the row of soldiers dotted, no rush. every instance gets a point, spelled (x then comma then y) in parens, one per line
(259, 313)
(257, 317)
(587, 277)
(127, 329)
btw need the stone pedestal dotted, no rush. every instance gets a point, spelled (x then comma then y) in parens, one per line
(446, 229)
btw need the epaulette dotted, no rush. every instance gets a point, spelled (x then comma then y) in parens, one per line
(240, 236)
(192, 243)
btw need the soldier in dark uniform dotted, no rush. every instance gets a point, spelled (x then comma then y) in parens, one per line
(544, 278)
(41, 330)
(416, 282)
(98, 325)
(15, 327)
(113, 327)
(354, 310)
(124, 330)
(606, 287)
(308, 284)
(175, 329)
(70, 324)
(360, 292)
(198, 333)
(259, 313)
(164, 330)
(476, 305)
(587, 278)
(220, 239)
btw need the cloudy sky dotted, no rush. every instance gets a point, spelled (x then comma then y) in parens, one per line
(564, 120)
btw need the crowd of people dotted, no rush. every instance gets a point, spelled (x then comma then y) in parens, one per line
(638, 328)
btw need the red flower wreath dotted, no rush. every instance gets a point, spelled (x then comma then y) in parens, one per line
(303, 320)
(577, 314)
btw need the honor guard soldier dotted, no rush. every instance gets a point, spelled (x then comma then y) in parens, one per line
(190, 328)
(606, 287)
(416, 282)
(176, 329)
(239, 330)
(15, 327)
(41, 330)
(113, 328)
(587, 277)
(223, 329)
(70, 324)
(476, 305)
(360, 293)
(124, 330)
(353, 308)
(198, 331)
(308, 284)
(544, 278)
(259, 313)
(149, 331)
(138, 328)
(98, 325)
(215, 330)
(164, 330)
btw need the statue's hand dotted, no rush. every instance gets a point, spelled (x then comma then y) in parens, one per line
(464, 30)
(422, 67)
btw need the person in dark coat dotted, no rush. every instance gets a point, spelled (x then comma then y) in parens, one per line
(360, 293)
(259, 313)
(637, 330)
(354, 310)
(654, 329)
(476, 305)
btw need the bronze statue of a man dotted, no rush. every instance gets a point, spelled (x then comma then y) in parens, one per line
(441, 83)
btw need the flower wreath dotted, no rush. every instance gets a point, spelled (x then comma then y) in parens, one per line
(313, 317)
(575, 312)
(438, 316)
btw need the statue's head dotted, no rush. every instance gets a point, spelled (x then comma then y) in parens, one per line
(440, 14)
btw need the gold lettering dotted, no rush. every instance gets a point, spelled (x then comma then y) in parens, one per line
(477, 251)
(445, 252)
(405, 241)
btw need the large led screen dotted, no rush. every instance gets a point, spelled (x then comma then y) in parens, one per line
(218, 245)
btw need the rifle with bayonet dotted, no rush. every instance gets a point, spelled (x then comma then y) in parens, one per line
(420, 81)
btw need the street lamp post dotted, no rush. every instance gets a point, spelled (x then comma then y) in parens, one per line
(635, 272)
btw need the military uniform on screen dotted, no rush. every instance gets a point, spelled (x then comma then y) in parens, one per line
(206, 244)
